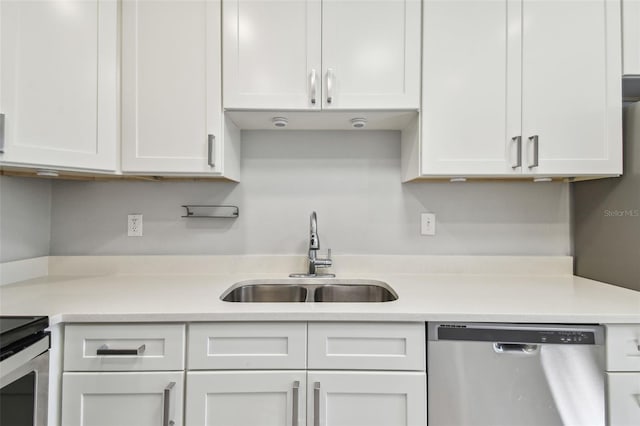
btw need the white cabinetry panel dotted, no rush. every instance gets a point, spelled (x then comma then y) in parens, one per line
(162, 347)
(571, 95)
(367, 346)
(271, 49)
(171, 85)
(631, 37)
(519, 88)
(246, 398)
(58, 83)
(366, 399)
(623, 347)
(371, 54)
(108, 399)
(265, 345)
(623, 399)
(471, 87)
(313, 54)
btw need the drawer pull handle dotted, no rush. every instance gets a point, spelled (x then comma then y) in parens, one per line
(1, 133)
(316, 404)
(211, 141)
(104, 350)
(330, 78)
(536, 151)
(313, 85)
(518, 141)
(295, 410)
(166, 405)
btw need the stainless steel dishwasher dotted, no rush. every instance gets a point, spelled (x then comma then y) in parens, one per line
(488, 374)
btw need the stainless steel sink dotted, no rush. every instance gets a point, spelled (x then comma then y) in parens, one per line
(266, 293)
(310, 290)
(353, 293)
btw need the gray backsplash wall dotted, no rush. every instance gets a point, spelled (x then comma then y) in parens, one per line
(25, 226)
(352, 179)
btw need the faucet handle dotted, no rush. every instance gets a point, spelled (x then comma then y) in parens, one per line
(329, 254)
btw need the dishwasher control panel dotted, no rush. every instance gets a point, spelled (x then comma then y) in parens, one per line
(517, 333)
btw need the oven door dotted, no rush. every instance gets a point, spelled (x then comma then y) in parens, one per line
(24, 383)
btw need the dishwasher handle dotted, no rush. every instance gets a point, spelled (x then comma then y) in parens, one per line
(515, 348)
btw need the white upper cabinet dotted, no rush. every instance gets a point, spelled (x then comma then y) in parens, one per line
(571, 88)
(171, 87)
(313, 54)
(631, 37)
(58, 84)
(471, 87)
(371, 54)
(272, 53)
(519, 88)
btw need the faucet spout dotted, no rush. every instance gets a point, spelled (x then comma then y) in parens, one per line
(314, 245)
(314, 241)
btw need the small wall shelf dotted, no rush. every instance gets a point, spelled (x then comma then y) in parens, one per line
(211, 211)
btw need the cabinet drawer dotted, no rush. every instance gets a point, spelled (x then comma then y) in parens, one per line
(623, 395)
(367, 346)
(124, 347)
(623, 347)
(249, 345)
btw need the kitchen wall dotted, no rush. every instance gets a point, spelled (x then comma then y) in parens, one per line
(352, 179)
(607, 217)
(25, 226)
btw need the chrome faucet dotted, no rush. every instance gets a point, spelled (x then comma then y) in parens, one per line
(315, 262)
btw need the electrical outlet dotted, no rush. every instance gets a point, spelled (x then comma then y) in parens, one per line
(428, 224)
(134, 225)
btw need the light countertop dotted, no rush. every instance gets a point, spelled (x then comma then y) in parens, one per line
(110, 289)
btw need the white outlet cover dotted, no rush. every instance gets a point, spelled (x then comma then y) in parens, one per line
(428, 224)
(134, 225)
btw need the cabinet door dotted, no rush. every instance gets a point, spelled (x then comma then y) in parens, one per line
(571, 91)
(58, 78)
(471, 87)
(109, 399)
(631, 37)
(366, 399)
(371, 54)
(172, 108)
(245, 398)
(623, 396)
(271, 54)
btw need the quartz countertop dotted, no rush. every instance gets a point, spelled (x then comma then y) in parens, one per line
(174, 289)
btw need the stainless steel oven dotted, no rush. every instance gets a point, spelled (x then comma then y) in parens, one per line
(24, 371)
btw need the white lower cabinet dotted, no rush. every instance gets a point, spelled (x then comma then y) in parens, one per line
(353, 374)
(623, 393)
(245, 398)
(623, 374)
(366, 398)
(123, 398)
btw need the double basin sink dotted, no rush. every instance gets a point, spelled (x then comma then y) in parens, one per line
(310, 290)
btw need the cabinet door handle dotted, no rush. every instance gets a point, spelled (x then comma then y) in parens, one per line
(534, 139)
(105, 350)
(1, 133)
(330, 78)
(518, 141)
(316, 404)
(295, 409)
(313, 87)
(211, 158)
(166, 405)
